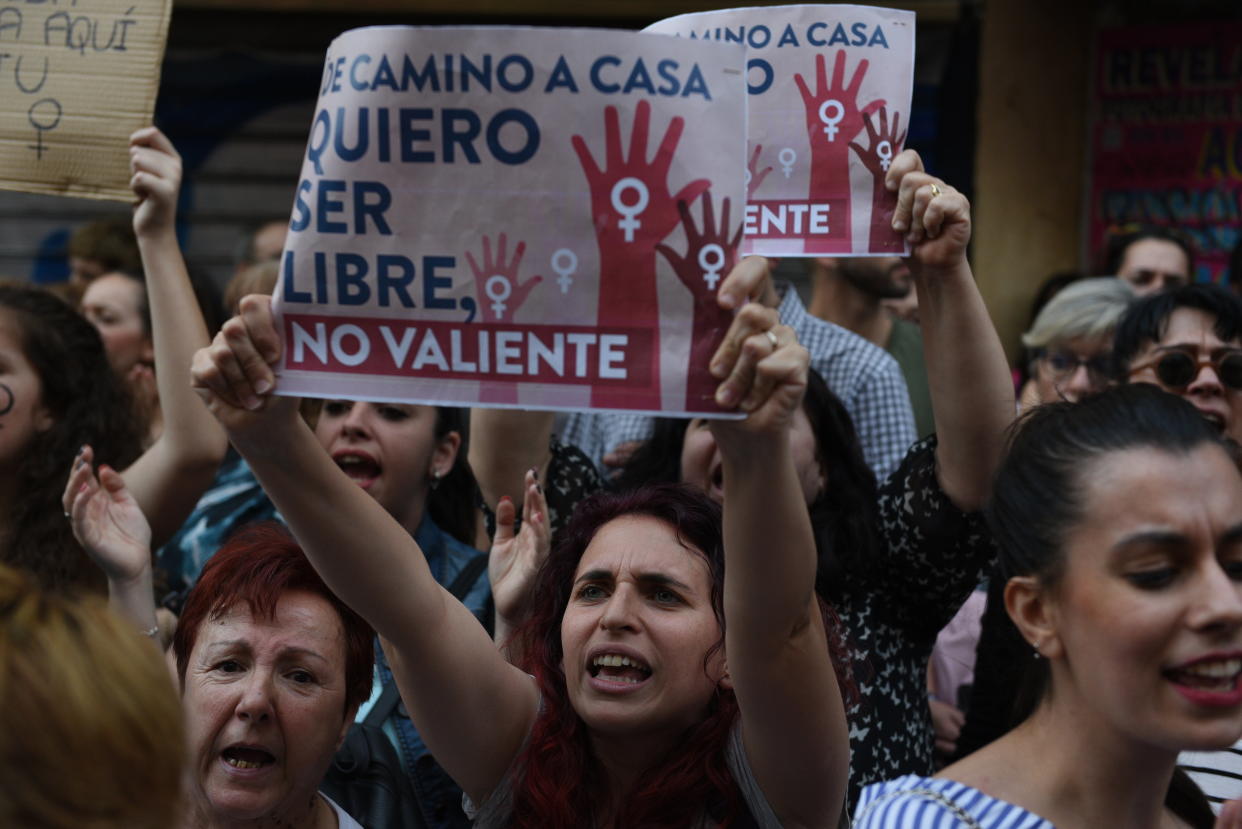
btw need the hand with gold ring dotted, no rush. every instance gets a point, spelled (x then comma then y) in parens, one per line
(934, 216)
(762, 368)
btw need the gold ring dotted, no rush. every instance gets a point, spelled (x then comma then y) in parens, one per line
(935, 189)
(772, 339)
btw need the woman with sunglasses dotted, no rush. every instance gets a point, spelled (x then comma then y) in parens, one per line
(1188, 342)
(1071, 341)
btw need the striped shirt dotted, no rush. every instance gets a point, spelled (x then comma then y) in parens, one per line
(1217, 773)
(913, 802)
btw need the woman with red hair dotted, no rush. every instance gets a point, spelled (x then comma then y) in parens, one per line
(681, 667)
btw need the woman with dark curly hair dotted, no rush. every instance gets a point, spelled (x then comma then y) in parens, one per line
(57, 393)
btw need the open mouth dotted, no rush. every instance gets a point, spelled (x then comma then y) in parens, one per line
(1215, 418)
(612, 667)
(361, 468)
(247, 757)
(1217, 675)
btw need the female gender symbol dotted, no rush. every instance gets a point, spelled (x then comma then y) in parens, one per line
(629, 224)
(711, 260)
(498, 290)
(885, 151)
(787, 157)
(564, 262)
(831, 121)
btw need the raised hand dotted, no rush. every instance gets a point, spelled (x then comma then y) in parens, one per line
(107, 521)
(234, 375)
(630, 201)
(500, 292)
(934, 216)
(763, 370)
(155, 178)
(884, 144)
(516, 558)
(755, 176)
(710, 254)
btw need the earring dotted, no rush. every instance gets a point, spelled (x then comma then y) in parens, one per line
(435, 479)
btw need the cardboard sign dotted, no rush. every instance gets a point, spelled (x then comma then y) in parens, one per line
(515, 217)
(830, 90)
(78, 79)
(1166, 137)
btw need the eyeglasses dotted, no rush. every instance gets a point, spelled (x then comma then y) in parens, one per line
(1177, 369)
(1062, 365)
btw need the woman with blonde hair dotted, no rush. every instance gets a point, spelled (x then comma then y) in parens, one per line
(1071, 341)
(90, 725)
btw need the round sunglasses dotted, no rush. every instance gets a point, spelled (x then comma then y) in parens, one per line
(1177, 369)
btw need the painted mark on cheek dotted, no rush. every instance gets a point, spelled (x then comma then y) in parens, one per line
(6, 400)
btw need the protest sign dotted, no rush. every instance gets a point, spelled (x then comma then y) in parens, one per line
(78, 79)
(515, 217)
(1166, 137)
(830, 90)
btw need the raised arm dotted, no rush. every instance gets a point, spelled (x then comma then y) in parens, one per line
(472, 707)
(793, 718)
(109, 525)
(504, 445)
(169, 478)
(971, 388)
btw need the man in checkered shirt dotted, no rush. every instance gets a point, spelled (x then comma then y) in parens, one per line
(866, 379)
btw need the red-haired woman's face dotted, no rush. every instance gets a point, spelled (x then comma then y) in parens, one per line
(265, 709)
(635, 633)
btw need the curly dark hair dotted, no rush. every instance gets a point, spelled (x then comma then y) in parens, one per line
(87, 404)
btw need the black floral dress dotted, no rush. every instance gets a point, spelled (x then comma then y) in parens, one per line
(932, 556)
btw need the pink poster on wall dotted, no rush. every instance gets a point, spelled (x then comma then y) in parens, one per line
(1166, 137)
(830, 90)
(516, 217)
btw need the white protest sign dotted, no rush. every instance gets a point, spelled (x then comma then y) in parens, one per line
(830, 90)
(515, 217)
(77, 79)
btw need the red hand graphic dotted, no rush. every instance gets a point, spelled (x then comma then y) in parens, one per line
(884, 144)
(710, 254)
(633, 211)
(833, 119)
(500, 293)
(755, 176)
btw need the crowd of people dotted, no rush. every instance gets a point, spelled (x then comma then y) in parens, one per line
(909, 588)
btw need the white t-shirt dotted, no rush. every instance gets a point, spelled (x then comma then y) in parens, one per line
(343, 820)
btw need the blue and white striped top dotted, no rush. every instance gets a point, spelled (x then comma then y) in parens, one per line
(914, 802)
